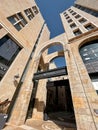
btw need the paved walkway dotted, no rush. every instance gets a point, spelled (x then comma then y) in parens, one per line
(50, 125)
(42, 125)
(59, 121)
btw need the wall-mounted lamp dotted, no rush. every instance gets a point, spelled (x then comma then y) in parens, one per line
(67, 51)
(16, 76)
(16, 80)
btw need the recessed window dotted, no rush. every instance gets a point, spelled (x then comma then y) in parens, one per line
(18, 21)
(77, 32)
(82, 20)
(64, 13)
(73, 25)
(29, 13)
(71, 11)
(74, 13)
(35, 10)
(70, 20)
(0, 27)
(77, 16)
(90, 11)
(89, 27)
(8, 51)
(67, 17)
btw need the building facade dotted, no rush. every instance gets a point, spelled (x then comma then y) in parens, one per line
(24, 43)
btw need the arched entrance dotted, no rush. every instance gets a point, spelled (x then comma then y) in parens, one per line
(52, 95)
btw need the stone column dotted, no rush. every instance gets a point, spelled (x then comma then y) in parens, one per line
(19, 111)
(40, 101)
(81, 103)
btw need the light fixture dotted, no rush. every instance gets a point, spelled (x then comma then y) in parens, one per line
(67, 51)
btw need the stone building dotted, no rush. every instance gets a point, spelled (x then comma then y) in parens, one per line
(29, 86)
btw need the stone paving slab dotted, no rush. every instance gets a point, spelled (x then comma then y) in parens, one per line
(47, 125)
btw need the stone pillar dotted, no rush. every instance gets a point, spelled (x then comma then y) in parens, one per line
(80, 97)
(19, 111)
(40, 101)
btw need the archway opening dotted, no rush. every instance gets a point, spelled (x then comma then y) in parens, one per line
(54, 92)
(55, 48)
(58, 62)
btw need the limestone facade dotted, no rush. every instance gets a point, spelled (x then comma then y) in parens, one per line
(33, 39)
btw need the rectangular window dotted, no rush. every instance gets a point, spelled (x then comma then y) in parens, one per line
(8, 51)
(35, 10)
(29, 13)
(18, 21)
(74, 13)
(0, 27)
(90, 11)
(82, 20)
(64, 13)
(89, 26)
(71, 11)
(67, 17)
(77, 32)
(73, 25)
(70, 20)
(77, 16)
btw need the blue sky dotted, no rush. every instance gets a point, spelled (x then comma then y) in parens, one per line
(50, 10)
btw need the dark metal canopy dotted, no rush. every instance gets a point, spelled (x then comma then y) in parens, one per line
(50, 73)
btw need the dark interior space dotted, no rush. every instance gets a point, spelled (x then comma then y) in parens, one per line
(59, 107)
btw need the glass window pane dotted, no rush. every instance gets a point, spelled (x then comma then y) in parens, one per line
(8, 51)
(12, 19)
(18, 27)
(89, 54)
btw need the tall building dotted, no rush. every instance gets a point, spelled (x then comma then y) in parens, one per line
(31, 89)
(81, 25)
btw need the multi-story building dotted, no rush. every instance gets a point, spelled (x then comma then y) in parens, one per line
(25, 67)
(81, 25)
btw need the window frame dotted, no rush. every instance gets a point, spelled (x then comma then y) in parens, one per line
(18, 21)
(29, 13)
(35, 10)
(89, 26)
(82, 20)
(76, 32)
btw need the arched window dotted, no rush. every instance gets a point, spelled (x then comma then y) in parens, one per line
(89, 54)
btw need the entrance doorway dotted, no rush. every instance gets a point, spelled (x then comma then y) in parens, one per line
(59, 105)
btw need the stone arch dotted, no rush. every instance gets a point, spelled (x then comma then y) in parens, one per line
(58, 58)
(86, 40)
(54, 55)
(46, 45)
